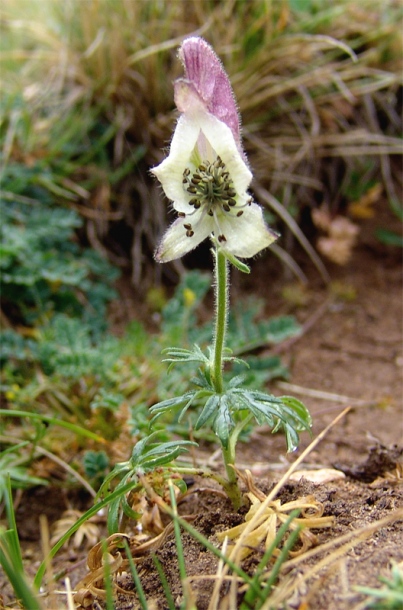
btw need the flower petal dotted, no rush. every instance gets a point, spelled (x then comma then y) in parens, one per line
(186, 97)
(187, 134)
(205, 71)
(170, 171)
(176, 243)
(246, 235)
(221, 139)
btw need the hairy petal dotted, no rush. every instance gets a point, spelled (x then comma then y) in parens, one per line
(221, 138)
(175, 243)
(204, 70)
(187, 99)
(205, 132)
(170, 171)
(248, 234)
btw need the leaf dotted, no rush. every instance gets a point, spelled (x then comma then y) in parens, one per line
(208, 411)
(298, 411)
(167, 447)
(171, 403)
(177, 354)
(236, 381)
(265, 410)
(236, 262)
(140, 447)
(223, 422)
(292, 437)
(148, 464)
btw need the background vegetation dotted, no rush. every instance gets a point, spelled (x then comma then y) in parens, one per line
(86, 109)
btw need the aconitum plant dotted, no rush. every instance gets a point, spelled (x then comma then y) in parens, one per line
(206, 176)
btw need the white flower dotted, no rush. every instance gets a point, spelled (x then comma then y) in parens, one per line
(205, 174)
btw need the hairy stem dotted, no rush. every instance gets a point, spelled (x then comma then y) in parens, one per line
(221, 311)
(221, 304)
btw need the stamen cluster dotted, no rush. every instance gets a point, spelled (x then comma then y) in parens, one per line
(211, 186)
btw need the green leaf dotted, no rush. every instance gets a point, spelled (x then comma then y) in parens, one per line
(236, 381)
(236, 262)
(299, 412)
(208, 411)
(177, 354)
(172, 403)
(140, 447)
(223, 422)
(167, 457)
(291, 436)
(197, 395)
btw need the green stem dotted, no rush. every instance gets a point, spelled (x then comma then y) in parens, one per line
(221, 290)
(221, 311)
(231, 485)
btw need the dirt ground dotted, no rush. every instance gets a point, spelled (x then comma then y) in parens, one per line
(350, 354)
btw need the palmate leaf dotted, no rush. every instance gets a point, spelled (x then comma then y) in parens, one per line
(280, 413)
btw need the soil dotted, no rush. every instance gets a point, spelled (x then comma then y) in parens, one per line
(350, 354)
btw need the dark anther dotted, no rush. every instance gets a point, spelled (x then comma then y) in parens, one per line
(222, 238)
(240, 213)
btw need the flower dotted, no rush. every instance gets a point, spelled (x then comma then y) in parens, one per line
(206, 175)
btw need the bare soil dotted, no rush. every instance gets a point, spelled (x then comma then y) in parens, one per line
(350, 354)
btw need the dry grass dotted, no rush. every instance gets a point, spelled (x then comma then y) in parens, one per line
(318, 90)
